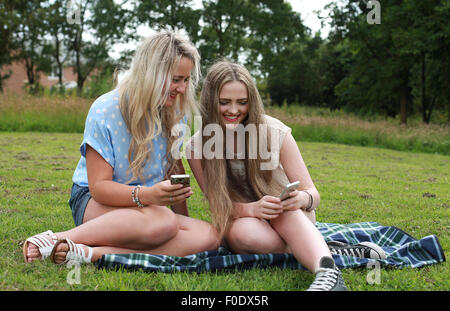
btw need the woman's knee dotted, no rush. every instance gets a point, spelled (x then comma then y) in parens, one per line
(160, 225)
(205, 234)
(249, 235)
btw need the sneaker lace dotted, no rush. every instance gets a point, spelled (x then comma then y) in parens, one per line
(353, 251)
(325, 280)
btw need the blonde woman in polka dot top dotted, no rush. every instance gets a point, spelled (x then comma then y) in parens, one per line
(121, 189)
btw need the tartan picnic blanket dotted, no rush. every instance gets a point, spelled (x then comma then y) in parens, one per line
(402, 250)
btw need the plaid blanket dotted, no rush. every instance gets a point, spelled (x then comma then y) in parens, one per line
(402, 250)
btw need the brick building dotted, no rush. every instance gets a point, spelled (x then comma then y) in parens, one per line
(18, 78)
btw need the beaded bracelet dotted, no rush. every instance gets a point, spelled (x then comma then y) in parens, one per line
(135, 196)
(310, 201)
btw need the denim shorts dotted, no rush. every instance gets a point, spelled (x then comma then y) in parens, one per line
(79, 199)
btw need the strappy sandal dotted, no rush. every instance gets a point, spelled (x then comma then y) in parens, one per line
(45, 246)
(75, 253)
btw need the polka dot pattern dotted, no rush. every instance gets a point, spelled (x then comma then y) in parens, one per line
(106, 132)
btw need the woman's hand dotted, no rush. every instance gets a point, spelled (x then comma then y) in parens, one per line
(268, 207)
(295, 201)
(164, 193)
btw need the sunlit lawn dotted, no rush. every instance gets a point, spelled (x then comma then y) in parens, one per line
(407, 190)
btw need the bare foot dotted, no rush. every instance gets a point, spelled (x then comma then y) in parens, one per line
(33, 252)
(61, 252)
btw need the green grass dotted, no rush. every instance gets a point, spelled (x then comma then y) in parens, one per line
(67, 114)
(321, 125)
(27, 121)
(407, 190)
(57, 114)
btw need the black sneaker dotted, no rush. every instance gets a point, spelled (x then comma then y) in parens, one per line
(328, 277)
(362, 250)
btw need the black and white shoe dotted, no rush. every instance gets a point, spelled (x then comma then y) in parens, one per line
(362, 250)
(328, 277)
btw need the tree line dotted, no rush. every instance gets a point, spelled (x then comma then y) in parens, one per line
(398, 66)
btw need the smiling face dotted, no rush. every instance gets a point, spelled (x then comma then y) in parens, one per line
(233, 103)
(180, 80)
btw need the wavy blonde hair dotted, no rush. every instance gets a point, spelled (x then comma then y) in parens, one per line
(142, 97)
(222, 188)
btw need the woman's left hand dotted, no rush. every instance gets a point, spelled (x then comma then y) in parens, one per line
(293, 202)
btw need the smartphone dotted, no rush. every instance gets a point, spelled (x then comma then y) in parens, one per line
(288, 189)
(184, 179)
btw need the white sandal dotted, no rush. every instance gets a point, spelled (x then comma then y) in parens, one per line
(75, 253)
(44, 246)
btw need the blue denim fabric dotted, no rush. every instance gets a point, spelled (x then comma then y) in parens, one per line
(79, 199)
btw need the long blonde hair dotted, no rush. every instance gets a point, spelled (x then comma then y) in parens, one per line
(222, 189)
(142, 99)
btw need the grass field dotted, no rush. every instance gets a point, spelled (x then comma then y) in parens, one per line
(403, 189)
(322, 125)
(67, 115)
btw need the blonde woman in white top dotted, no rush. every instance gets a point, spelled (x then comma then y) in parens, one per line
(121, 192)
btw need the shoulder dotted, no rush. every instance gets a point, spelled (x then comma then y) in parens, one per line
(105, 118)
(276, 124)
(106, 106)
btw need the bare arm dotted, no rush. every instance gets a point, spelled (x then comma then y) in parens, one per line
(268, 207)
(295, 169)
(110, 193)
(101, 186)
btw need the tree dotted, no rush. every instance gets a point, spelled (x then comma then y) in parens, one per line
(57, 28)
(29, 42)
(173, 14)
(255, 33)
(8, 24)
(277, 45)
(391, 60)
(439, 78)
(273, 26)
(334, 61)
(105, 23)
(224, 29)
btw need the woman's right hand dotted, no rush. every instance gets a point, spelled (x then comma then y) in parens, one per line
(268, 207)
(164, 193)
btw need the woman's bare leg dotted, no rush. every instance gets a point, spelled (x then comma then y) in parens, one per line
(292, 232)
(253, 235)
(304, 239)
(192, 237)
(131, 227)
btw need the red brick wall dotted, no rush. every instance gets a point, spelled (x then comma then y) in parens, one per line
(18, 78)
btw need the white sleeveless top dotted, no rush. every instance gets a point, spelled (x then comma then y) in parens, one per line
(278, 131)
